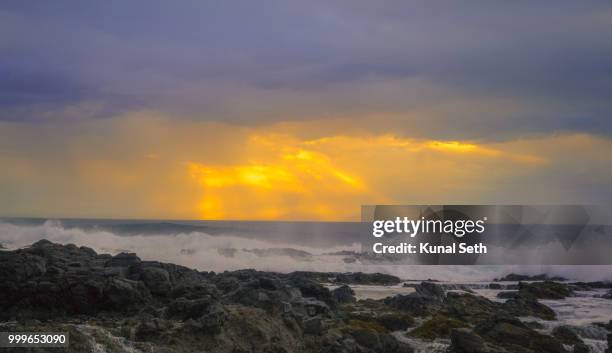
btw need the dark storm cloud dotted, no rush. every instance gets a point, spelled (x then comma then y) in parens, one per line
(550, 62)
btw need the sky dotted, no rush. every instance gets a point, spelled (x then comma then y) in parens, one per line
(301, 110)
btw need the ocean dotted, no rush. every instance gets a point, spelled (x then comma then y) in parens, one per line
(267, 246)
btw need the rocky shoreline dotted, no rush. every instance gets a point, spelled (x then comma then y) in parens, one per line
(123, 304)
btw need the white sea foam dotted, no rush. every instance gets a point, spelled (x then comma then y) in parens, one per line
(206, 252)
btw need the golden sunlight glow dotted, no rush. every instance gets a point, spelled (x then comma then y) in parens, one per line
(282, 176)
(187, 170)
(279, 171)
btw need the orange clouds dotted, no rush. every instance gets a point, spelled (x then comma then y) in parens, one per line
(282, 176)
(280, 179)
(148, 166)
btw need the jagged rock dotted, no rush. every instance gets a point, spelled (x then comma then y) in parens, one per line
(367, 278)
(508, 295)
(347, 278)
(590, 285)
(566, 335)
(246, 310)
(121, 293)
(313, 325)
(469, 307)
(184, 309)
(437, 327)
(124, 260)
(344, 294)
(428, 297)
(149, 326)
(157, 280)
(545, 290)
(525, 305)
(430, 290)
(510, 332)
(309, 288)
(395, 321)
(513, 277)
(463, 340)
(213, 321)
(581, 348)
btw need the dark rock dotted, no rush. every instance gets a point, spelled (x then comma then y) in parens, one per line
(495, 286)
(120, 293)
(513, 277)
(590, 285)
(437, 327)
(312, 289)
(566, 335)
(525, 305)
(366, 338)
(347, 278)
(344, 294)
(184, 309)
(545, 290)
(415, 305)
(431, 290)
(313, 325)
(157, 280)
(367, 278)
(427, 298)
(149, 327)
(508, 295)
(581, 348)
(534, 325)
(468, 307)
(465, 341)
(395, 321)
(124, 260)
(511, 333)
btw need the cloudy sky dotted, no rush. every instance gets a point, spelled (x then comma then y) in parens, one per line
(300, 109)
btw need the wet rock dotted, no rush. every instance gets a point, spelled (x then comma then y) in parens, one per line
(312, 326)
(124, 260)
(465, 341)
(304, 307)
(566, 335)
(430, 290)
(415, 305)
(495, 286)
(590, 285)
(437, 327)
(367, 278)
(183, 308)
(427, 298)
(545, 290)
(581, 348)
(149, 327)
(468, 307)
(512, 334)
(120, 293)
(157, 280)
(395, 321)
(312, 289)
(508, 295)
(525, 305)
(344, 294)
(513, 277)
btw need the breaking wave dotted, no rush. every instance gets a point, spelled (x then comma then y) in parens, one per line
(232, 250)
